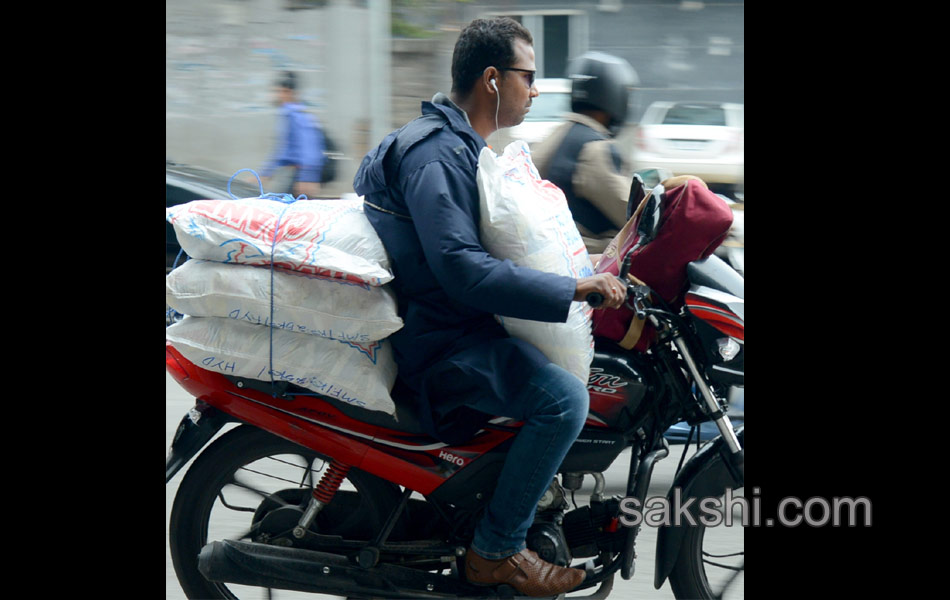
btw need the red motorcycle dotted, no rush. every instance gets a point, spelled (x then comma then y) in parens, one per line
(314, 495)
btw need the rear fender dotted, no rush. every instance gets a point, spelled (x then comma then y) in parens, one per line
(705, 474)
(196, 429)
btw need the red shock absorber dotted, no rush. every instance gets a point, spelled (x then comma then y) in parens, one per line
(330, 482)
(322, 494)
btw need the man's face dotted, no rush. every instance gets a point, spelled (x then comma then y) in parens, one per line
(514, 91)
(282, 95)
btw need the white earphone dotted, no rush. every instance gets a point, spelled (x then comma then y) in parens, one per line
(497, 100)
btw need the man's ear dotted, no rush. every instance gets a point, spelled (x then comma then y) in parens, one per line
(490, 79)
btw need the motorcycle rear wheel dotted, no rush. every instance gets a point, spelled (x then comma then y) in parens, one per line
(226, 487)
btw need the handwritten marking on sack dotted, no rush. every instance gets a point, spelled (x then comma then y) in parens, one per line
(313, 383)
(256, 318)
(215, 363)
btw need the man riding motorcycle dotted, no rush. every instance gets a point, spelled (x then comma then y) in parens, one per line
(454, 357)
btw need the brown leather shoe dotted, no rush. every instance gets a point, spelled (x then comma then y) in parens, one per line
(525, 572)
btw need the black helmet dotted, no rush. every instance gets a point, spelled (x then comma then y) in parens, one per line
(603, 82)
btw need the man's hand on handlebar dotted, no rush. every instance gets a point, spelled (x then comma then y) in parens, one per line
(603, 290)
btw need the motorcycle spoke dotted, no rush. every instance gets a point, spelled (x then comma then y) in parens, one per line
(709, 554)
(723, 559)
(247, 535)
(730, 581)
(722, 566)
(308, 474)
(234, 482)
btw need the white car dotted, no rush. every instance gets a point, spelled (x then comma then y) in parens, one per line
(547, 112)
(705, 139)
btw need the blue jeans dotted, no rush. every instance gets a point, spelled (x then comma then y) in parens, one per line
(553, 407)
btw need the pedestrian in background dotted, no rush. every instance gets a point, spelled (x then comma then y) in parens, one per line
(297, 162)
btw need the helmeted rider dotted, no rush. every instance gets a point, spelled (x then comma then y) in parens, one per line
(580, 156)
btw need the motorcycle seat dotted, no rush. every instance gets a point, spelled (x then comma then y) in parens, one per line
(405, 420)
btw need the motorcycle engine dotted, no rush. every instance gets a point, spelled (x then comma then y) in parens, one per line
(590, 530)
(584, 532)
(546, 537)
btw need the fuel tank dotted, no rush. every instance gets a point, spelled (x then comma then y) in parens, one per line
(619, 384)
(619, 394)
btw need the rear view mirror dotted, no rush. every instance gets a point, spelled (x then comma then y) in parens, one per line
(649, 223)
(643, 180)
(637, 193)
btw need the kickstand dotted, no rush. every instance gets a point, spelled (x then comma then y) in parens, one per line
(369, 555)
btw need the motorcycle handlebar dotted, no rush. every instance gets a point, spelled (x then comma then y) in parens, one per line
(636, 294)
(595, 299)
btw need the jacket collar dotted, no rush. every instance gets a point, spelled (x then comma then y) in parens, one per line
(457, 118)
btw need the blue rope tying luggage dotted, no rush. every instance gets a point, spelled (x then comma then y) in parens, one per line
(288, 200)
(273, 247)
(260, 183)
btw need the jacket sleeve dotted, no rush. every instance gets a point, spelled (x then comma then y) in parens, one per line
(444, 204)
(597, 180)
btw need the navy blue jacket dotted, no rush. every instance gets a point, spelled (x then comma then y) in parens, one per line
(422, 198)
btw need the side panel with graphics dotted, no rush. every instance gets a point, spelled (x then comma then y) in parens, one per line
(617, 389)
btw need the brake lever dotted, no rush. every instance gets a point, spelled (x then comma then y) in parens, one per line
(636, 294)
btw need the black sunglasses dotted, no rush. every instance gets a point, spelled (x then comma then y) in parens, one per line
(528, 71)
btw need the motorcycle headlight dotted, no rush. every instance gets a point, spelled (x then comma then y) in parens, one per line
(728, 348)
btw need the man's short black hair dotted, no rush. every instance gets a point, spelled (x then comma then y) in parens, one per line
(287, 79)
(484, 43)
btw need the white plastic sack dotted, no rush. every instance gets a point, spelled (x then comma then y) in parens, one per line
(302, 303)
(526, 219)
(358, 374)
(322, 237)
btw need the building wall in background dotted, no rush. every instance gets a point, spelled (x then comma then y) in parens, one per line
(223, 56)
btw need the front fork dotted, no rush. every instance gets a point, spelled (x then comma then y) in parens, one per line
(713, 406)
(736, 455)
(636, 295)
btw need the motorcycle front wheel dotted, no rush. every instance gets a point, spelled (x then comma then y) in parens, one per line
(711, 563)
(248, 473)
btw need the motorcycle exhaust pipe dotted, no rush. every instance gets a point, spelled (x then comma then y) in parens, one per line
(266, 566)
(274, 567)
